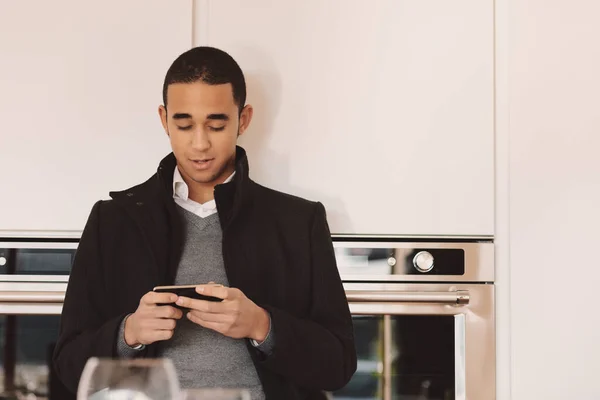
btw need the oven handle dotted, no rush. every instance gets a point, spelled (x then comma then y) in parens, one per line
(31, 302)
(22, 297)
(457, 297)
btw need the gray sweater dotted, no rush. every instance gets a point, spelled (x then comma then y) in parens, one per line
(202, 357)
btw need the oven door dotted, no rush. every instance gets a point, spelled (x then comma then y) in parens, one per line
(29, 323)
(36, 261)
(422, 342)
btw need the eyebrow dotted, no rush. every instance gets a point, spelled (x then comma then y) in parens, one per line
(219, 117)
(181, 116)
(214, 117)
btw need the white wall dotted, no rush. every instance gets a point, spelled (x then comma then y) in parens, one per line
(383, 110)
(388, 103)
(554, 134)
(80, 83)
(502, 201)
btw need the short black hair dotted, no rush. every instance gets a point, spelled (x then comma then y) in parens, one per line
(211, 66)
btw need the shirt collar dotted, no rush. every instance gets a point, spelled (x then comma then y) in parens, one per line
(180, 188)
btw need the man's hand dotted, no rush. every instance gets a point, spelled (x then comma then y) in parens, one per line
(236, 316)
(150, 322)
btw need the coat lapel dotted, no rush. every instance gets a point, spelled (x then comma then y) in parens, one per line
(158, 226)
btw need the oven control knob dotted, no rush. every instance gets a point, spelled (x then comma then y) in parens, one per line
(423, 261)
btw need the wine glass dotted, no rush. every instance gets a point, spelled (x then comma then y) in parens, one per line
(215, 394)
(128, 379)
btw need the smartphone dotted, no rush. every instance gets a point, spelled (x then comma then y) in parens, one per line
(186, 291)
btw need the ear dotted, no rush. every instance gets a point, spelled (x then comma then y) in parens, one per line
(245, 118)
(162, 112)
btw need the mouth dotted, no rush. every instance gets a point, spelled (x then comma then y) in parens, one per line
(202, 163)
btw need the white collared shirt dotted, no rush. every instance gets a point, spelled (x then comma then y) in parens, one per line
(181, 197)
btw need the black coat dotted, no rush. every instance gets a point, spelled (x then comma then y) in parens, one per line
(277, 249)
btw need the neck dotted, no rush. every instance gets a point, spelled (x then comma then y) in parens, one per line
(203, 192)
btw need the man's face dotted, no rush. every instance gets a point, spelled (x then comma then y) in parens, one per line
(203, 124)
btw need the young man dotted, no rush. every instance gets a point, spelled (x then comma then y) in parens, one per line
(283, 329)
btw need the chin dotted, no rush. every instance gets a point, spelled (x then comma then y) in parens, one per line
(204, 178)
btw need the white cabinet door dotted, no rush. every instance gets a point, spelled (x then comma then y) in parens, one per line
(81, 82)
(381, 109)
(554, 199)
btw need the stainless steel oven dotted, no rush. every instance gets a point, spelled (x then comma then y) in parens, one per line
(33, 280)
(423, 316)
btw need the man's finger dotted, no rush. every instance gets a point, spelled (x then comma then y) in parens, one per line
(162, 324)
(210, 317)
(167, 312)
(215, 326)
(153, 298)
(201, 305)
(162, 335)
(220, 291)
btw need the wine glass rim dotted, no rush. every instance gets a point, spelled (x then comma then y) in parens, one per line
(94, 363)
(244, 393)
(143, 362)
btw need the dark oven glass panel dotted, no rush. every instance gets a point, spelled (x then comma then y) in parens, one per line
(367, 382)
(36, 261)
(411, 357)
(423, 357)
(26, 346)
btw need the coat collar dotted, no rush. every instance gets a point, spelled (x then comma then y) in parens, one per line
(230, 197)
(153, 209)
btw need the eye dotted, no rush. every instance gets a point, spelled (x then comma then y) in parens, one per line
(185, 128)
(216, 128)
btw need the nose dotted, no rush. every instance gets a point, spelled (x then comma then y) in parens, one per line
(200, 140)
